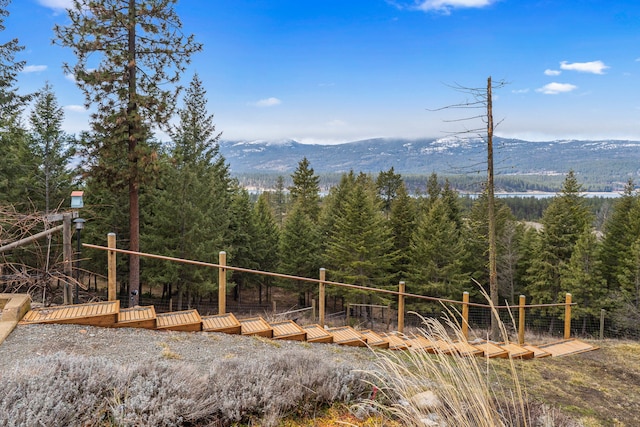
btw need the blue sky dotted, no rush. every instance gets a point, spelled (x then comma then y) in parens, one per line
(334, 71)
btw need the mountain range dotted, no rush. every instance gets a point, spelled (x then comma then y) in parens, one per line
(607, 160)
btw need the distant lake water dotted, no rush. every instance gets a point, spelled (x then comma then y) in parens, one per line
(540, 195)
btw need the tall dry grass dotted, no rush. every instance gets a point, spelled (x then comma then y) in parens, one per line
(438, 387)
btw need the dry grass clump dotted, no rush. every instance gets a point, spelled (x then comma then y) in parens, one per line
(446, 389)
(62, 389)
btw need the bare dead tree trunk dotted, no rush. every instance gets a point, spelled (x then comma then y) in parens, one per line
(493, 256)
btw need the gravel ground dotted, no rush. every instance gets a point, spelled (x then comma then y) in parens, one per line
(129, 345)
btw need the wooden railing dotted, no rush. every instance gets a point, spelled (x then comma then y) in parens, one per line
(322, 283)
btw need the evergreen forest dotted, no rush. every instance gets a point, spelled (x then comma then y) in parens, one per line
(179, 197)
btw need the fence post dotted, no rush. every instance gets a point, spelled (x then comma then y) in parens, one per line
(401, 289)
(465, 315)
(111, 267)
(348, 314)
(222, 283)
(567, 317)
(603, 313)
(314, 310)
(521, 314)
(67, 251)
(321, 300)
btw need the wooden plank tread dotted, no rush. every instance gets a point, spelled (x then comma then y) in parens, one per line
(226, 323)
(288, 329)
(567, 347)
(317, 334)
(256, 326)
(375, 340)
(186, 320)
(346, 335)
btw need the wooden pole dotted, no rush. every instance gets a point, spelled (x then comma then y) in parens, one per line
(222, 283)
(321, 299)
(111, 268)
(567, 317)
(465, 315)
(401, 291)
(67, 253)
(314, 310)
(521, 314)
(603, 313)
(348, 314)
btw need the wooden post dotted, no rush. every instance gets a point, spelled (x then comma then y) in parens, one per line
(321, 299)
(348, 314)
(222, 283)
(111, 267)
(401, 289)
(603, 312)
(67, 252)
(274, 308)
(567, 317)
(521, 314)
(465, 315)
(314, 309)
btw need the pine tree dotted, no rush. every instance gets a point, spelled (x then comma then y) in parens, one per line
(618, 235)
(582, 277)
(388, 184)
(242, 241)
(18, 163)
(305, 190)
(360, 247)
(436, 255)
(129, 53)
(300, 250)
(564, 221)
(402, 222)
(267, 240)
(53, 149)
(187, 216)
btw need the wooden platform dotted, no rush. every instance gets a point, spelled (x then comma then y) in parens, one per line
(346, 335)
(184, 321)
(418, 342)
(375, 340)
(256, 326)
(537, 351)
(517, 352)
(137, 317)
(491, 350)
(288, 330)
(397, 342)
(317, 334)
(567, 347)
(93, 313)
(226, 323)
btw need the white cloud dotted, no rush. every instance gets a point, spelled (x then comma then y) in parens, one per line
(75, 108)
(56, 4)
(447, 5)
(594, 67)
(520, 91)
(268, 102)
(70, 77)
(34, 68)
(552, 72)
(556, 88)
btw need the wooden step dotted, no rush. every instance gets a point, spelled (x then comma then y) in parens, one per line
(517, 352)
(226, 323)
(183, 321)
(317, 334)
(137, 317)
(346, 335)
(491, 350)
(537, 352)
(419, 342)
(397, 342)
(567, 347)
(93, 314)
(256, 326)
(375, 340)
(288, 330)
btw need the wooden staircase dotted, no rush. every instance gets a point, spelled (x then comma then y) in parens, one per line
(109, 314)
